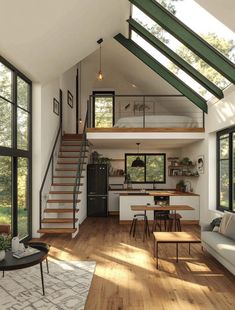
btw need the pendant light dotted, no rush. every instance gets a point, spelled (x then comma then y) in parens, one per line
(138, 162)
(100, 75)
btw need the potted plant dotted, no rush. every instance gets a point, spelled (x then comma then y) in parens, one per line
(5, 244)
(180, 186)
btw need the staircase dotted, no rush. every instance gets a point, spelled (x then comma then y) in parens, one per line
(58, 215)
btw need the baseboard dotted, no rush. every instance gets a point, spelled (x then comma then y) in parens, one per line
(116, 213)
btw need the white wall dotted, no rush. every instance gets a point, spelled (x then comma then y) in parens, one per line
(68, 82)
(220, 115)
(45, 127)
(120, 154)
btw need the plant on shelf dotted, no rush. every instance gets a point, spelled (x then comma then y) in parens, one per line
(185, 161)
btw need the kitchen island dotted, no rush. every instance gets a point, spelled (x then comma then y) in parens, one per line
(126, 200)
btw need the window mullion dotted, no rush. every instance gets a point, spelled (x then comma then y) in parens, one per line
(231, 172)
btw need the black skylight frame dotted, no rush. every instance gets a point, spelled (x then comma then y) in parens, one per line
(190, 39)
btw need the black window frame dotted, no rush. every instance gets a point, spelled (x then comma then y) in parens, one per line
(14, 152)
(102, 94)
(147, 154)
(230, 132)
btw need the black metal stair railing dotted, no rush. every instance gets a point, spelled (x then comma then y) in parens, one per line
(50, 164)
(80, 166)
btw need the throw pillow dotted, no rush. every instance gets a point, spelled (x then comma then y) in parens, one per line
(227, 226)
(215, 222)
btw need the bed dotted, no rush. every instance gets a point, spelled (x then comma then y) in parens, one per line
(157, 121)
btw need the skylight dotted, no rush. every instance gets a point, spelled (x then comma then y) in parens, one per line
(169, 64)
(180, 49)
(204, 24)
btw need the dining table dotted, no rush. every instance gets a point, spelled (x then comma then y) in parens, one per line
(173, 208)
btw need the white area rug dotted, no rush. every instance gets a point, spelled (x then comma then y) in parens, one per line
(66, 287)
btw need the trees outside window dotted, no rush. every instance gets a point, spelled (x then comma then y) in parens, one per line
(226, 170)
(15, 149)
(154, 170)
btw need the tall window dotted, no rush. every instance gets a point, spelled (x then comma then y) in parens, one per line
(226, 169)
(103, 109)
(15, 149)
(153, 170)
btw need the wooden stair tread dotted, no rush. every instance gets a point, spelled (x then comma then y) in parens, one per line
(61, 200)
(57, 230)
(60, 210)
(58, 220)
(73, 151)
(64, 156)
(67, 169)
(62, 192)
(68, 163)
(66, 176)
(65, 184)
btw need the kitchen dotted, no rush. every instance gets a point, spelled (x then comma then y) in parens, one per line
(122, 193)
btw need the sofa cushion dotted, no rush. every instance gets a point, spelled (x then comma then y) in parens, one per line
(227, 226)
(221, 244)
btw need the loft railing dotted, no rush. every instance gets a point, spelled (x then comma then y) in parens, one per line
(81, 161)
(143, 111)
(50, 166)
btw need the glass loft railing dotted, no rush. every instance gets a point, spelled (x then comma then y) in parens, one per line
(143, 111)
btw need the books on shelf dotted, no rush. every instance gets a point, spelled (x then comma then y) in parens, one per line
(27, 252)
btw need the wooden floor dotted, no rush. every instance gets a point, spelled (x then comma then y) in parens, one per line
(126, 275)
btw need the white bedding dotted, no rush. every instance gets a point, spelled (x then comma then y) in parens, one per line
(157, 121)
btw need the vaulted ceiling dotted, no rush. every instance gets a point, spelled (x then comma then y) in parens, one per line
(45, 38)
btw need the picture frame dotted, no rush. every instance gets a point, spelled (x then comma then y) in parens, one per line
(200, 164)
(175, 172)
(70, 99)
(56, 106)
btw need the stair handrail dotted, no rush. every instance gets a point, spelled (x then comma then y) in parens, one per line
(81, 160)
(50, 162)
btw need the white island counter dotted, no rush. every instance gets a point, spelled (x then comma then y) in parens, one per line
(175, 198)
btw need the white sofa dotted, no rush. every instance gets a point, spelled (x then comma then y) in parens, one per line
(220, 246)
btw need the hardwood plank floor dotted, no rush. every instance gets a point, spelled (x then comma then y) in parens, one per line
(126, 276)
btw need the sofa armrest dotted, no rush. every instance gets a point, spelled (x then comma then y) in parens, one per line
(205, 227)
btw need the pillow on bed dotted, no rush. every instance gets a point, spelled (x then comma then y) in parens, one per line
(227, 226)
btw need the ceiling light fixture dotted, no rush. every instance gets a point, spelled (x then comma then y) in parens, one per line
(138, 162)
(100, 76)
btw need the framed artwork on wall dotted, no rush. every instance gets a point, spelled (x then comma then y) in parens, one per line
(56, 106)
(200, 164)
(70, 99)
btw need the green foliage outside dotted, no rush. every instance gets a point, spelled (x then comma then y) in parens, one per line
(6, 140)
(226, 47)
(103, 112)
(154, 168)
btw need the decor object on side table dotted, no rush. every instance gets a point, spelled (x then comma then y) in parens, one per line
(70, 99)
(56, 106)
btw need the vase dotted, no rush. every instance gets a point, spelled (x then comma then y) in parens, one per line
(2, 255)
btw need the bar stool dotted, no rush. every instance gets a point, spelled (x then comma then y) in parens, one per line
(134, 224)
(172, 219)
(160, 216)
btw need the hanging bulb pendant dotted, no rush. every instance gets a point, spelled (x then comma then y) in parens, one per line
(100, 75)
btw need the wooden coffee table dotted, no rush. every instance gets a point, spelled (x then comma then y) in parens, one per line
(173, 237)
